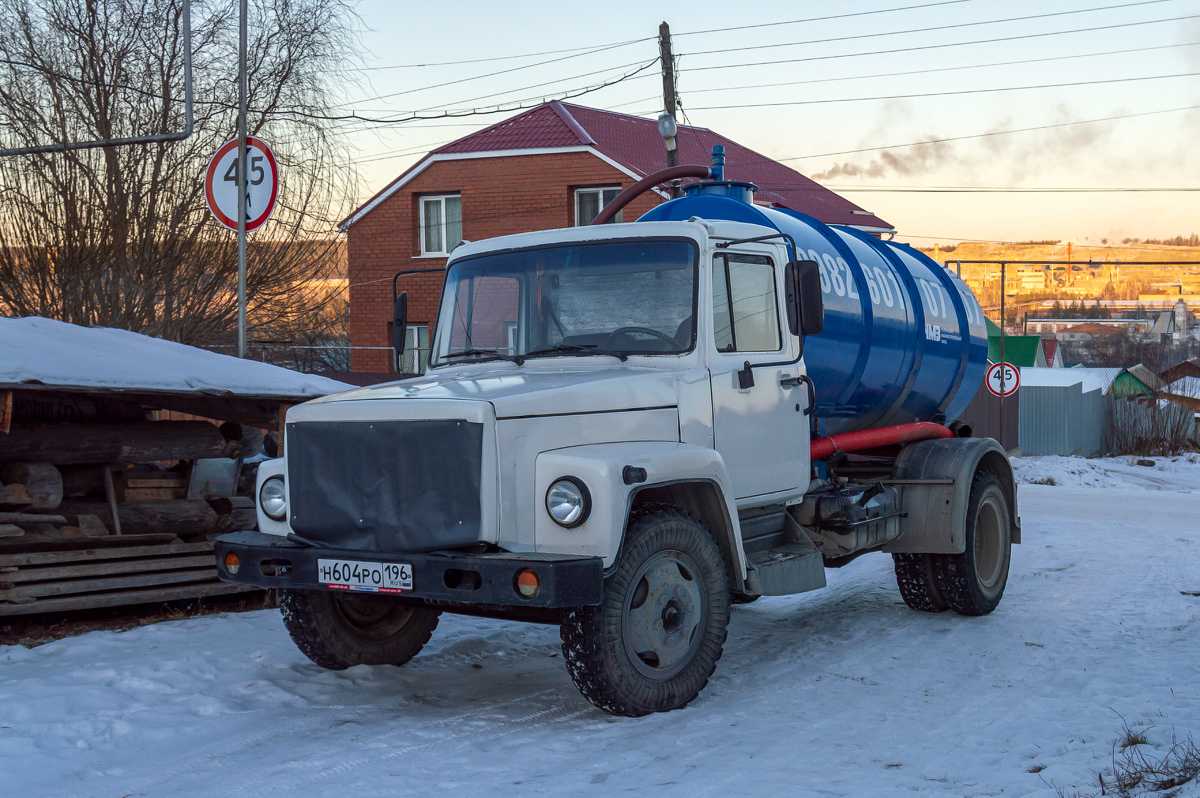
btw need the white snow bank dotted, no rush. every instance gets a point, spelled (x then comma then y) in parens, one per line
(1167, 473)
(840, 692)
(56, 354)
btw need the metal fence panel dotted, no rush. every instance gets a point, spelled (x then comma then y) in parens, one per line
(1062, 420)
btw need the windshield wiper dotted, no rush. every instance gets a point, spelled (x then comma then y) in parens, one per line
(518, 359)
(581, 349)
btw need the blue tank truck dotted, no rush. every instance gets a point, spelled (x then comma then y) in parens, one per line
(624, 429)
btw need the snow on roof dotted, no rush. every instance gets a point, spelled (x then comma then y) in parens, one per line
(54, 354)
(1090, 379)
(1185, 386)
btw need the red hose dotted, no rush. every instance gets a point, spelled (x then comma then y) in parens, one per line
(874, 438)
(662, 176)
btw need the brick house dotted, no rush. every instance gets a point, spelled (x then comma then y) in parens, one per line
(553, 166)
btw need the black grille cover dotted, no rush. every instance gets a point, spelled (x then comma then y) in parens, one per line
(385, 485)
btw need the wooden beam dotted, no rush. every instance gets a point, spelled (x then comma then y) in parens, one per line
(67, 587)
(90, 553)
(125, 597)
(106, 568)
(6, 411)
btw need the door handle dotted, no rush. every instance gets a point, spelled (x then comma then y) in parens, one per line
(792, 382)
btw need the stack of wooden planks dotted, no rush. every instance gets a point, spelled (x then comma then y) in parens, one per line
(56, 576)
(102, 506)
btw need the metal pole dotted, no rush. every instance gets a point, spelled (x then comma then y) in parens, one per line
(670, 98)
(242, 187)
(1003, 368)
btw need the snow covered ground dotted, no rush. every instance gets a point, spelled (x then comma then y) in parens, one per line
(840, 692)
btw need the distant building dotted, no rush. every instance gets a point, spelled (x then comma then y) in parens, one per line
(1089, 330)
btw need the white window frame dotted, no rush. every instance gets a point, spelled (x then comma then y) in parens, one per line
(415, 354)
(441, 198)
(599, 190)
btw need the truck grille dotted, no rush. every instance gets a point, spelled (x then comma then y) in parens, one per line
(385, 485)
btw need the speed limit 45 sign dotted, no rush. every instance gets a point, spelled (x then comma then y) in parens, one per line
(262, 183)
(1003, 379)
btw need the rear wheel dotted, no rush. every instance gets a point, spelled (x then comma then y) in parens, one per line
(973, 582)
(338, 631)
(916, 575)
(655, 640)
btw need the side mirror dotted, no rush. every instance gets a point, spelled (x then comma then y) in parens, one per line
(400, 325)
(811, 303)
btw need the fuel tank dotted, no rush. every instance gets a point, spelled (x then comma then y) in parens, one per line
(904, 338)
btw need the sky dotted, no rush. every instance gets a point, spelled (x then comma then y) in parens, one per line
(848, 83)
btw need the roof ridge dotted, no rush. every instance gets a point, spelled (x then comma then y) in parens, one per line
(678, 124)
(571, 122)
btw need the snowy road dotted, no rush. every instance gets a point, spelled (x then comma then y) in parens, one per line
(839, 692)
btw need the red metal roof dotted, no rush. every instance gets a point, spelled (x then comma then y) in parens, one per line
(635, 143)
(1049, 346)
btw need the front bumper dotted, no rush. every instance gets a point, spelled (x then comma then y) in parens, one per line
(565, 580)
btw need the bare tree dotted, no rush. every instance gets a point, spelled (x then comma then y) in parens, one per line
(121, 236)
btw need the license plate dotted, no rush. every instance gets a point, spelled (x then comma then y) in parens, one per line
(369, 577)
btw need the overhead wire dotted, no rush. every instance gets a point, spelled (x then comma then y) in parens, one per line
(957, 93)
(942, 45)
(955, 26)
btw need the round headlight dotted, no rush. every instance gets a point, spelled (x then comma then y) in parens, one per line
(568, 502)
(272, 498)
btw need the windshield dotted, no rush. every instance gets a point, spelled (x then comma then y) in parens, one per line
(615, 297)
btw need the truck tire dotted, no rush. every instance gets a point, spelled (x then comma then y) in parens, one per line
(337, 631)
(916, 575)
(973, 582)
(654, 641)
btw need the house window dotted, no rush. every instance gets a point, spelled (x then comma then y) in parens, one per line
(745, 315)
(416, 349)
(441, 224)
(590, 201)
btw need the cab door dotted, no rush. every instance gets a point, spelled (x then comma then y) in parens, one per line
(760, 429)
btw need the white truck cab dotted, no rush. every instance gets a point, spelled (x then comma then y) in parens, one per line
(613, 434)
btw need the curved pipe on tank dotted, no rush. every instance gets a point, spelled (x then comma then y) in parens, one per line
(649, 181)
(874, 438)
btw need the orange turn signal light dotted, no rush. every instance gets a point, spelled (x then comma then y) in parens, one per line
(528, 583)
(231, 563)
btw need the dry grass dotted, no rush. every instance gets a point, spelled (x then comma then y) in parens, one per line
(1139, 772)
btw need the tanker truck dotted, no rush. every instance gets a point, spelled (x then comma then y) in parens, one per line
(624, 429)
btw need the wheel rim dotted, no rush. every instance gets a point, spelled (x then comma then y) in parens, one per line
(989, 540)
(371, 618)
(663, 615)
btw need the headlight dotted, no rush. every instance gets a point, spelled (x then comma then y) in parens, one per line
(272, 498)
(568, 502)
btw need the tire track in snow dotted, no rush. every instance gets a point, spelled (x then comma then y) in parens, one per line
(303, 728)
(557, 713)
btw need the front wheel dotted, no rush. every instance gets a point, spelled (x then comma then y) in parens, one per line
(338, 631)
(654, 641)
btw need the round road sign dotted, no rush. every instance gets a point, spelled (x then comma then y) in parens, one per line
(1011, 376)
(221, 188)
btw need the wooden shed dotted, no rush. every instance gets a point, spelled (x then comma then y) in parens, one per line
(121, 457)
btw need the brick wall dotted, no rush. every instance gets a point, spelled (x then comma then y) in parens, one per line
(500, 196)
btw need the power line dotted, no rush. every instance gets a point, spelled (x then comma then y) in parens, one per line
(941, 69)
(475, 77)
(918, 48)
(823, 19)
(992, 133)
(1001, 189)
(450, 114)
(945, 93)
(955, 26)
(595, 48)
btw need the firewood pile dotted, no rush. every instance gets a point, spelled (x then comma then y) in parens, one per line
(107, 508)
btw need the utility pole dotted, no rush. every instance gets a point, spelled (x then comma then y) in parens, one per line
(667, 125)
(242, 175)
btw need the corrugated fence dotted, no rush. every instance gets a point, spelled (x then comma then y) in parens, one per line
(1062, 420)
